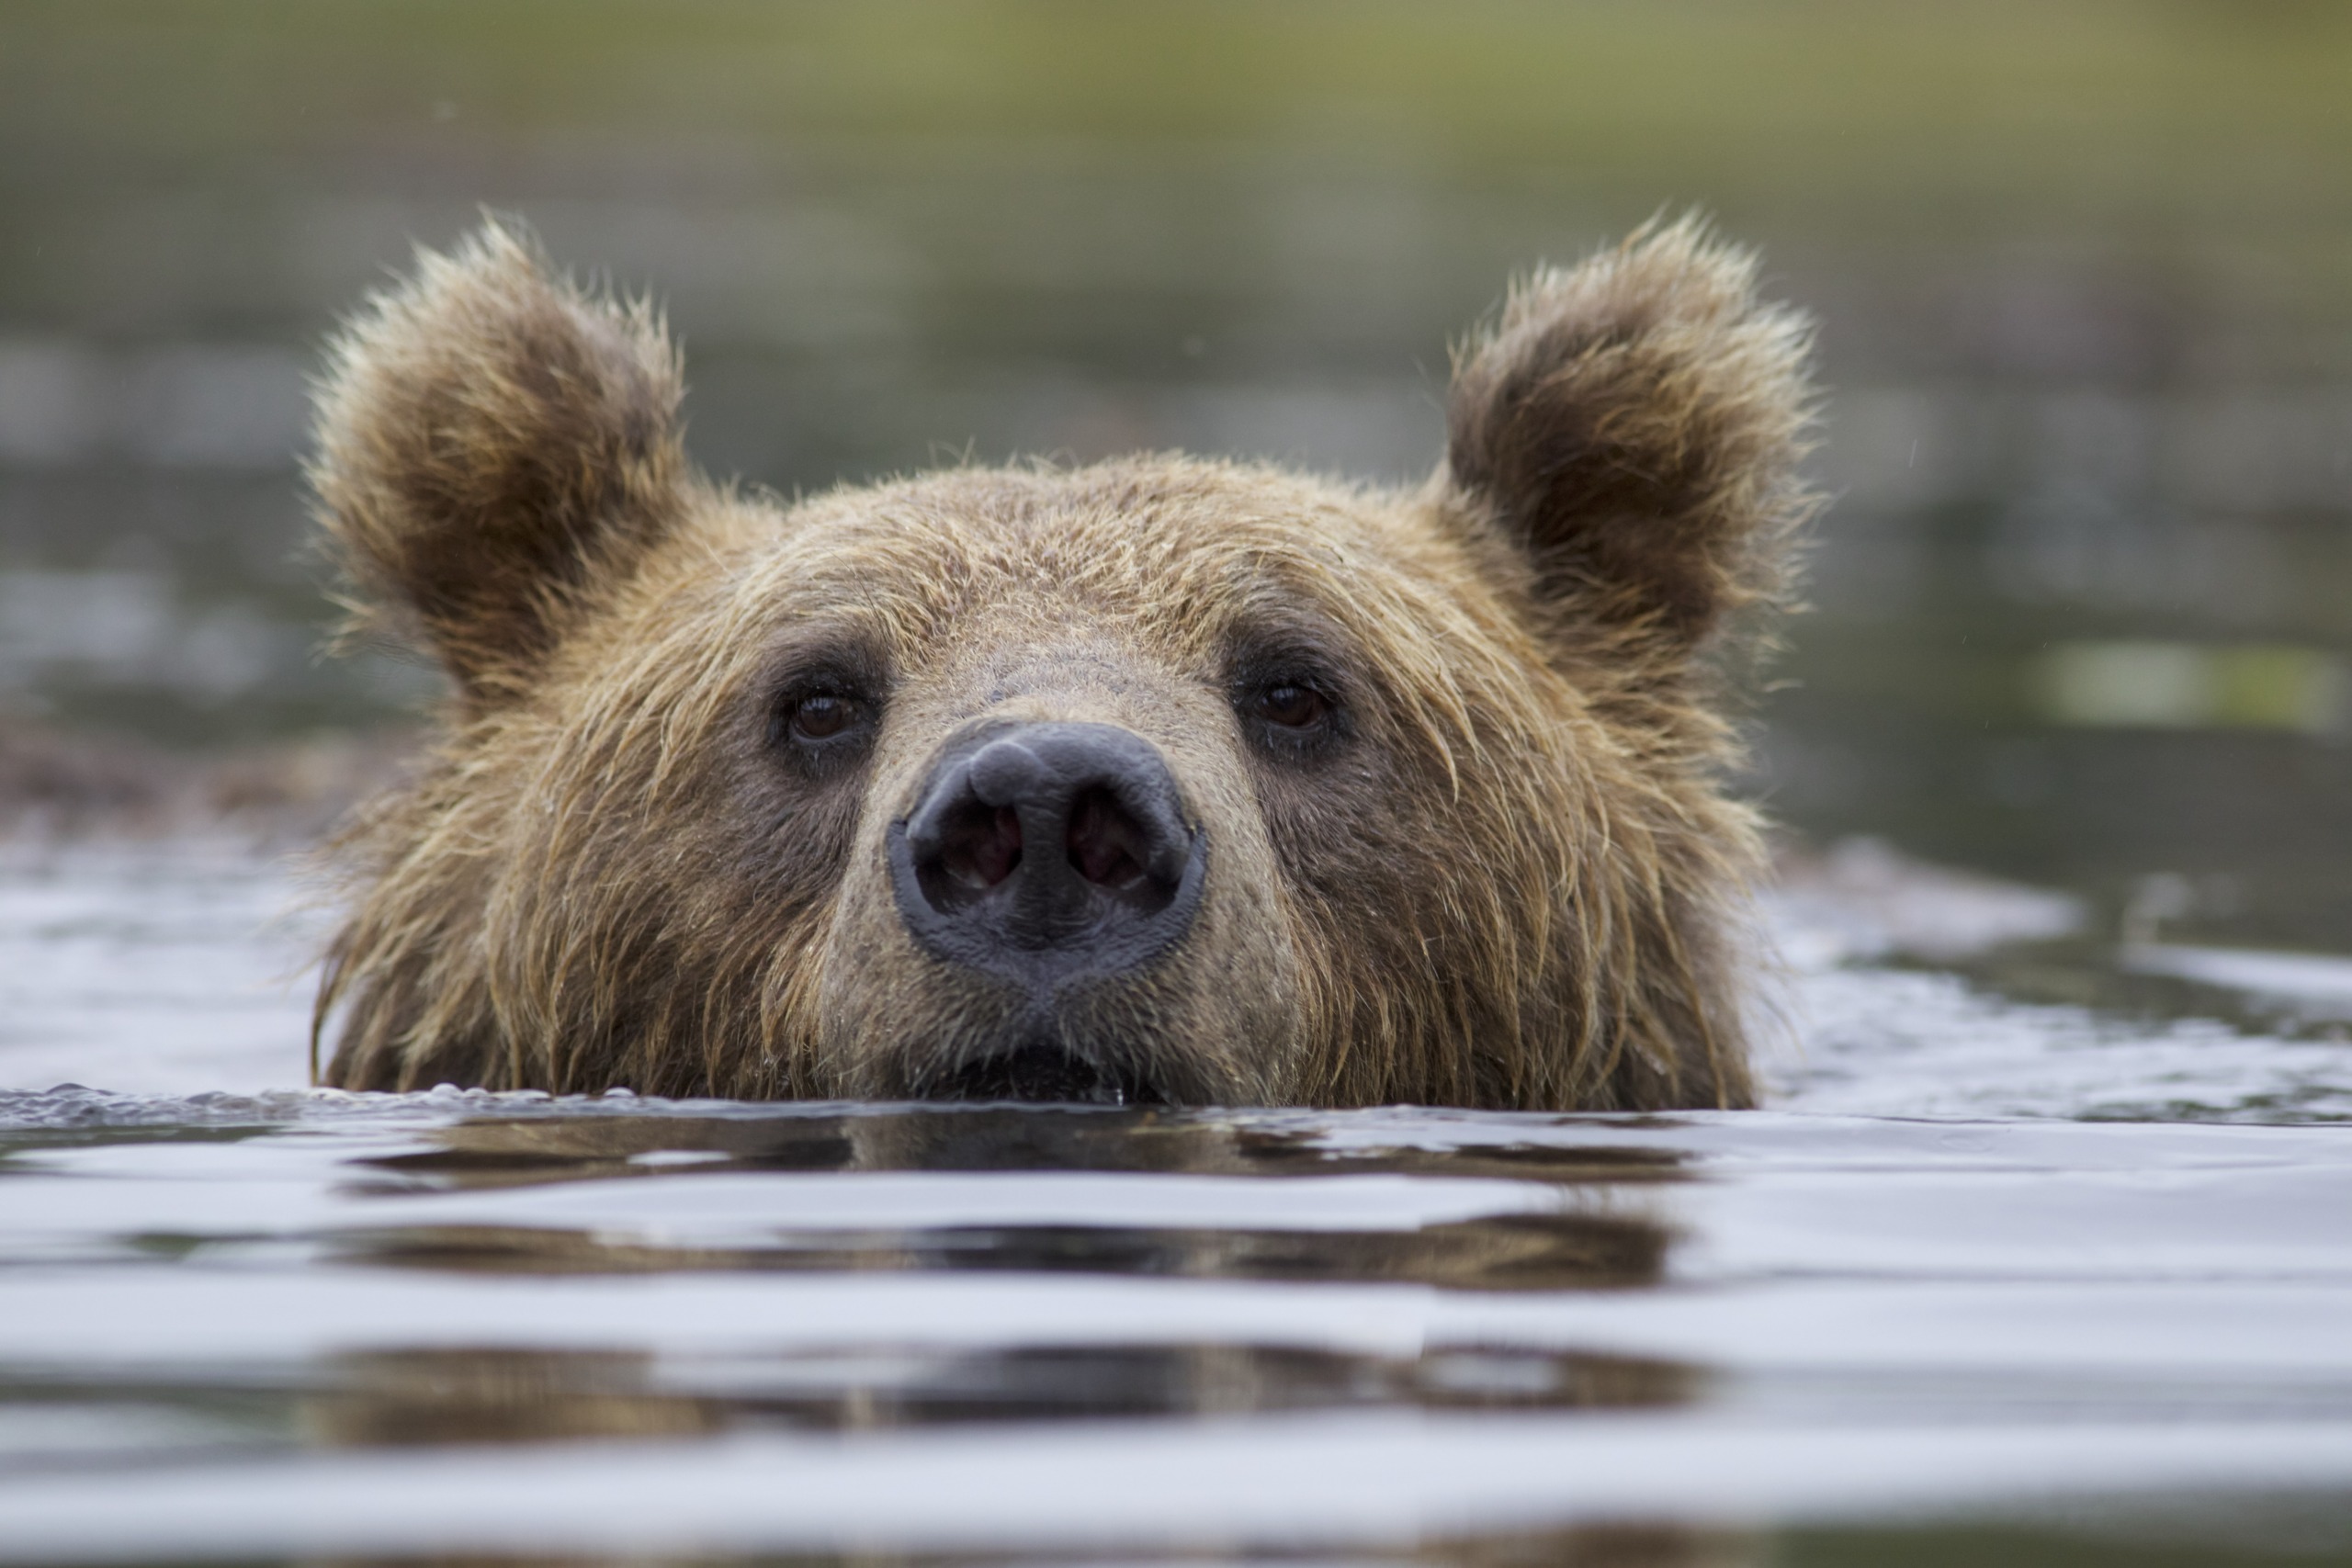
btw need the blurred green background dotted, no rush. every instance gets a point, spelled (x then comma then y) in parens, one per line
(2083, 270)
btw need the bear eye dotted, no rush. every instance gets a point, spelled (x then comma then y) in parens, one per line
(821, 715)
(822, 725)
(1292, 705)
(1292, 716)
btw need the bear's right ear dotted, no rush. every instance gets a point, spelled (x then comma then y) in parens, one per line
(1633, 424)
(492, 442)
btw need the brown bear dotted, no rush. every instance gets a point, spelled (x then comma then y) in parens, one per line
(1160, 780)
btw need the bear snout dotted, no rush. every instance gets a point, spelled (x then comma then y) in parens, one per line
(1054, 855)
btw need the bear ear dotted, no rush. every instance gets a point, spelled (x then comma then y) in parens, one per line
(1635, 424)
(492, 445)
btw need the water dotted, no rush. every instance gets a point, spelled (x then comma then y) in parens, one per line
(2082, 605)
(1994, 1277)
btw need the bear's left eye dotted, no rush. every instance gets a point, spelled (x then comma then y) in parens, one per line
(1292, 705)
(1292, 714)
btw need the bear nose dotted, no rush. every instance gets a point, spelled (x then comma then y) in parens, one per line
(1047, 853)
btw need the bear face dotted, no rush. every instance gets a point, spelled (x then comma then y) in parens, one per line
(1158, 780)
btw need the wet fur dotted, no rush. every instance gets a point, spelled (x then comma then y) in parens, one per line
(1518, 882)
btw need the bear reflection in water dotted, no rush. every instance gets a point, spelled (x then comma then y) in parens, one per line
(1164, 779)
(1597, 1237)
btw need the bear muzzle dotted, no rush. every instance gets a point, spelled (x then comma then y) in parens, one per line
(1054, 857)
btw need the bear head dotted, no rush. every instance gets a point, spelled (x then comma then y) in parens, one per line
(1160, 779)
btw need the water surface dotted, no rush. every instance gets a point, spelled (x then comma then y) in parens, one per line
(1998, 1278)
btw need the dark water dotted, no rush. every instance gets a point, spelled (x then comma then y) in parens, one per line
(2083, 271)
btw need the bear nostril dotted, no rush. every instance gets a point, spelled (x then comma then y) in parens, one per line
(1047, 853)
(1105, 844)
(980, 845)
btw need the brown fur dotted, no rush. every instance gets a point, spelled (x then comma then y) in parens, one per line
(1509, 877)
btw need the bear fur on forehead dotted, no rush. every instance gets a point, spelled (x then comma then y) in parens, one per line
(1164, 778)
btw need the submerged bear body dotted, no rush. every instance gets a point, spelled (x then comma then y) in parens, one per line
(1160, 780)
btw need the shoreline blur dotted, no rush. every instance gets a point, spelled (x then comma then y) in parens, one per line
(2083, 273)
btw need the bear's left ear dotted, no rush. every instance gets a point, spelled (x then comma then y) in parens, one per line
(493, 447)
(1635, 424)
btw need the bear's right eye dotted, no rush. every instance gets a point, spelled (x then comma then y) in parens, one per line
(822, 726)
(816, 718)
